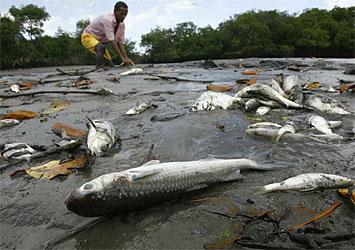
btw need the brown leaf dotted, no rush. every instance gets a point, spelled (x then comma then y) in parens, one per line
(83, 82)
(242, 81)
(63, 130)
(250, 72)
(219, 87)
(251, 81)
(319, 216)
(54, 168)
(312, 86)
(25, 85)
(21, 115)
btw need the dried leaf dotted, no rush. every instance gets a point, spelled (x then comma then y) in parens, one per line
(251, 81)
(55, 168)
(319, 216)
(242, 81)
(26, 85)
(312, 86)
(20, 115)
(56, 106)
(250, 72)
(79, 83)
(348, 194)
(64, 130)
(219, 87)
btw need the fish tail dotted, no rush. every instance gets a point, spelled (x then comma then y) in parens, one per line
(260, 190)
(91, 122)
(269, 165)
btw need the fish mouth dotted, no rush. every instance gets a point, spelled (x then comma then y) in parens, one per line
(81, 204)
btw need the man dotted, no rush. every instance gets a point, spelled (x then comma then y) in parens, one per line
(106, 30)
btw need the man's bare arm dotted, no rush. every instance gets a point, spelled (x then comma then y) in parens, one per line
(121, 53)
(124, 53)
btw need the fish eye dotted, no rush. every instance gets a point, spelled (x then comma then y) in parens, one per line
(88, 186)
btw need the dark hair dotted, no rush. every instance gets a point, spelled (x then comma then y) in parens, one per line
(120, 5)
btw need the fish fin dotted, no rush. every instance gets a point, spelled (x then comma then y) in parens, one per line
(91, 122)
(151, 162)
(236, 175)
(201, 186)
(260, 190)
(136, 175)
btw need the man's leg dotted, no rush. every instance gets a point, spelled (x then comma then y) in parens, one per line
(100, 52)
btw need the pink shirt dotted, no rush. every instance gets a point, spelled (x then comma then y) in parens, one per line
(103, 28)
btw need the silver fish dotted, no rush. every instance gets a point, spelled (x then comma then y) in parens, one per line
(8, 122)
(320, 124)
(270, 103)
(15, 88)
(276, 86)
(211, 100)
(308, 182)
(102, 136)
(152, 183)
(266, 91)
(325, 104)
(133, 71)
(139, 109)
(17, 151)
(265, 125)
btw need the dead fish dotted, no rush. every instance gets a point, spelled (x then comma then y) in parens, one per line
(153, 183)
(265, 125)
(320, 124)
(266, 91)
(326, 104)
(271, 133)
(211, 100)
(102, 136)
(15, 88)
(17, 151)
(288, 128)
(309, 182)
(334, 124)
(139, 109)
(132, 72)
(262, 110)
(8, 122)
(269, 103)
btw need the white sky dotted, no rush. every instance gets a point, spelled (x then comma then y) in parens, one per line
(145, 15)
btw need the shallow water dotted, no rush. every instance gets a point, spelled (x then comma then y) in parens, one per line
(33, 214)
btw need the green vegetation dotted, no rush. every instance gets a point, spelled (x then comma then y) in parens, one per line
(314, 32)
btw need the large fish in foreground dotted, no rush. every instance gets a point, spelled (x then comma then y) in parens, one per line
(152, 183)
(309, 182)
(102, 136)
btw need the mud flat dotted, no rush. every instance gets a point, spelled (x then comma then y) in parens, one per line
(33, 214)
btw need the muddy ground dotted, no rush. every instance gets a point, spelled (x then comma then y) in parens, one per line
(33, 214)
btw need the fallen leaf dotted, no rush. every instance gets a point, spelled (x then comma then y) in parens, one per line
(64, 130)
(56, 106)
(345, 87)
(219, 87)
(251, 81)
(55, 168)
(319, 216)
(294, 68)
(79, 83)
(348, 194)
(21, 115)
(250, 72)
(312, 86)
(242, 81)
(25, 85)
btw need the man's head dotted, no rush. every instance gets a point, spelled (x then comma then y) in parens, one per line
(120, 10)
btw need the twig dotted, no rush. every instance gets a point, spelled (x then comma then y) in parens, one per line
(52, 243)
(78, 73)
(88, 92)
(181, 79)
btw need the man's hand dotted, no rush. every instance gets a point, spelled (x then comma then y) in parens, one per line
(127, 61)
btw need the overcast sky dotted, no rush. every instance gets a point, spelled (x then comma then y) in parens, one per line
(144, 15)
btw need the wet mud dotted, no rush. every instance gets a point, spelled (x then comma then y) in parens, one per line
(33, 213)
